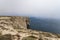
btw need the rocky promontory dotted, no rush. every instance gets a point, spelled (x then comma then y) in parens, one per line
(17, 28)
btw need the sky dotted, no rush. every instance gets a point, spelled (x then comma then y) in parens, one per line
(35, 8)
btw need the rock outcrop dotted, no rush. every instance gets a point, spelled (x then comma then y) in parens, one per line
(17, 28)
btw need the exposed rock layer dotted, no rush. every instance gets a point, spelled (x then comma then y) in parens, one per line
(15, 28)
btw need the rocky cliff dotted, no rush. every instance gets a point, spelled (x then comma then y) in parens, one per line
(17, 28)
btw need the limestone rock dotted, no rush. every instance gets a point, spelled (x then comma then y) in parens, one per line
(16, 28)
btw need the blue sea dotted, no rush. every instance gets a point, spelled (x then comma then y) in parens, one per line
(47, 25)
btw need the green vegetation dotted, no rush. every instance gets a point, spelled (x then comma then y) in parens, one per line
(29, 38)
(5, 37)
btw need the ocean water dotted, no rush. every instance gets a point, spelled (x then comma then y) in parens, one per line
(47, 25)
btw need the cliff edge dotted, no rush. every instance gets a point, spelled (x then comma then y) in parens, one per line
(17, 28)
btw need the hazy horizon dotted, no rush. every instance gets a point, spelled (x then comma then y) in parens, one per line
(49, 9)
(34, 8)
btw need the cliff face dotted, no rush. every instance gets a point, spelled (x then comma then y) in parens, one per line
(16, 28)
(15, 22)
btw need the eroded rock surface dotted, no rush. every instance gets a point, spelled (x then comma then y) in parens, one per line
(16, 28)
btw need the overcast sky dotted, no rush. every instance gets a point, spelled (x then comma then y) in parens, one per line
(36, 8)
